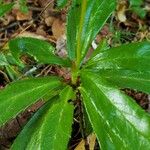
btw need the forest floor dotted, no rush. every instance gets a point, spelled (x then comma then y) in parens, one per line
(45, 21)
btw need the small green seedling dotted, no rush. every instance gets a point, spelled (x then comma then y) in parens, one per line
(6, 7)
(135, 6)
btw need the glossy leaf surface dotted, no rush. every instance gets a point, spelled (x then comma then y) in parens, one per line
(4, 8)
(87, 20)
(50, 127)
(19, 95)
(72, 25)
(128, 79)
(133, 56)
(41, 50)
(117, 120)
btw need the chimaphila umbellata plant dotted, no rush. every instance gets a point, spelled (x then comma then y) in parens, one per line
(118, 122)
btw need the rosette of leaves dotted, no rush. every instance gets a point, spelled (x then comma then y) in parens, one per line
(117, 121)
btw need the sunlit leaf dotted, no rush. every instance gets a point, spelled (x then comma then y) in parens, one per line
(132, 56)
(116, 119)
(87, 23)
(41, 50)
(128, 79)
(4, 8)
(50, 127)
(20, 94)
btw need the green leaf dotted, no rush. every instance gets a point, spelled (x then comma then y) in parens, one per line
(7, 59)
(19, 95)
(119, 123)
(11, 60)
(72, 26)
(92, 16)
(96, 14)
(135, 6)
(4, 8)
(134, 56)
(50, 127)
(139, 11)
(41, 50)
(12, 72)
(128, 79)
(101, 47)
(125, 66)
(61, 3)
(23, 6)
(3, 60)
(136, 2)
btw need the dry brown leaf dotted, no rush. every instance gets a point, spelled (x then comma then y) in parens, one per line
(91, 142)
(44, 3)
(81, 146)
(58, 28)
(40, 31)
(47, 6)
(8, 19)
(121, 9)
(49, 21)
(22, 16)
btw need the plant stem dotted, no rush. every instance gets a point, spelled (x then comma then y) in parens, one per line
(76, 64)
(74, 73)
(82, 121)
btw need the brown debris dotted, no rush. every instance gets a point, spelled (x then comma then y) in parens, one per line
(22, 16)
(49, 21)
(58, 28)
